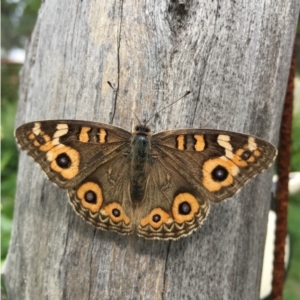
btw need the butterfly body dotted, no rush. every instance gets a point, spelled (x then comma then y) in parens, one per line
(140, 157)
(159, 186)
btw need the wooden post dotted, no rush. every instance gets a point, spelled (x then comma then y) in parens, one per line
(234, 57)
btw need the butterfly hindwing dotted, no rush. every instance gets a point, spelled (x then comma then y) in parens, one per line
(103, 197)
(172, 207)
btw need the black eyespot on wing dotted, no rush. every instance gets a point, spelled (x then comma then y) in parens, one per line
(41, 140)
(184, 208)
(63, 161)
(219, 173)
(156, 218)
(116, 212)
(246, 155)
(90, 197)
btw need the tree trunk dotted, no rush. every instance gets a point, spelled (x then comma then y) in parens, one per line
(234, 57)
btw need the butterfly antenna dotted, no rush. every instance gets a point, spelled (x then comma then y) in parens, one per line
(186, 93)
(126, 104)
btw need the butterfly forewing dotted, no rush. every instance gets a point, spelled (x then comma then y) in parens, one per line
(69, 150)
(217, 163)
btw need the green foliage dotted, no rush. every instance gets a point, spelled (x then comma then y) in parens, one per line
(295, 158)
(291, 287)
(17, 20)
(9, 153)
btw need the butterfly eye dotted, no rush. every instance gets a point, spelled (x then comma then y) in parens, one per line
(219, 173)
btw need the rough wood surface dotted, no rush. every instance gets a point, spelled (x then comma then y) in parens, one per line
(235, 58)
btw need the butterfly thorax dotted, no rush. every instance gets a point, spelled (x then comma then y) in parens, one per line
(140, 148)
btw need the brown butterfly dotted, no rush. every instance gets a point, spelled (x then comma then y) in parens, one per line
(159, 186)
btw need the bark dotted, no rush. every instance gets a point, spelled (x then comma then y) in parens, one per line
(234, 56)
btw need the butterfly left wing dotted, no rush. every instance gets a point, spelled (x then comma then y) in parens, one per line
(193, 167)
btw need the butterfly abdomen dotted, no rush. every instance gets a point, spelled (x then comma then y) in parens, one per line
(139, 157)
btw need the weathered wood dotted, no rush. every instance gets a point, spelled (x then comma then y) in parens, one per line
(233, 55)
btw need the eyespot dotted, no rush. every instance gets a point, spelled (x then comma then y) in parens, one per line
(64, 160)
(156, 218)
(90, 196)
(42, 139)
(246, 155)
(39, 138)
(184, 208)
(218, 173)
(115, 211)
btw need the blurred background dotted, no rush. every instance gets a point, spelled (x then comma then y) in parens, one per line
(17, 21)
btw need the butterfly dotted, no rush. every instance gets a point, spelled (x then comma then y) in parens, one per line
(158, 186)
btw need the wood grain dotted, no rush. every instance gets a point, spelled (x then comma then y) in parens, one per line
(234, 56)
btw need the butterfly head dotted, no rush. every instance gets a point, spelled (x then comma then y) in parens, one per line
(142, 129)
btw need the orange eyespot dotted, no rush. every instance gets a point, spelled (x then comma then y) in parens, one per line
(116, 213)
(90, 196)
(64, 160)
(184, 208)
(156, 218)
(218, 173)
